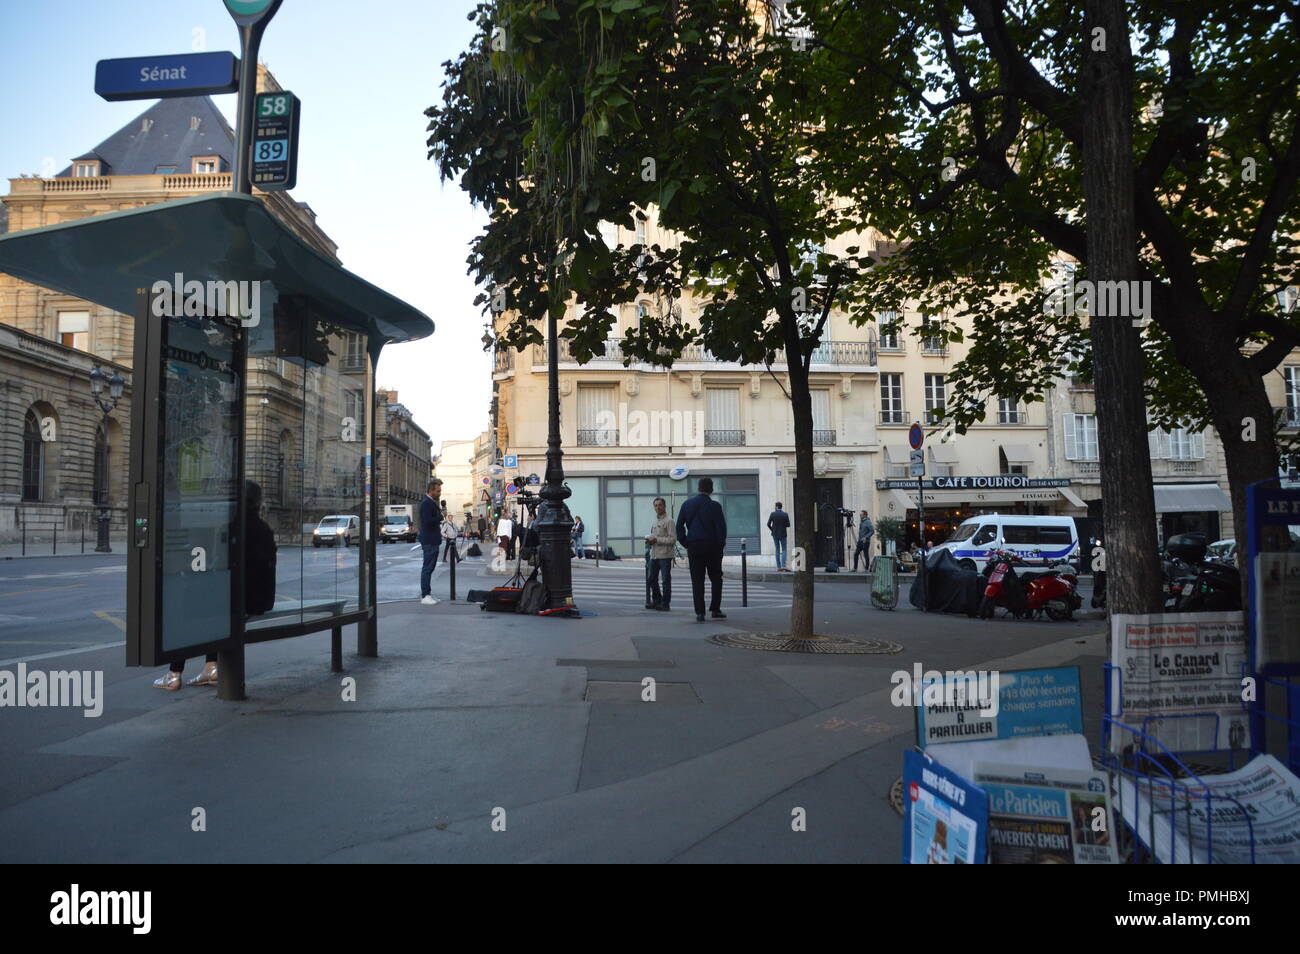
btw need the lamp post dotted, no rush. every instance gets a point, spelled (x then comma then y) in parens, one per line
(554, 522)
(115, 383)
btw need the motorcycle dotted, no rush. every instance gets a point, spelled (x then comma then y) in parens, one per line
(1205, 585)
(1027, 595)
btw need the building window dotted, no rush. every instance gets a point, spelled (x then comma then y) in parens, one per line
(642, 312)
(597, 421)
(932, 343)
(74, 329)
(1291, 377)
(354, 352)
(1080, 436)
(85, 169)
(823, 432)
(723, 423)
(1008, 412)
(33, 458)
(891, 399)
(887, 322)
(640, 231)
(935, 397)
(354, 407)
(164, 170)
(205, 165)
(1186, 445)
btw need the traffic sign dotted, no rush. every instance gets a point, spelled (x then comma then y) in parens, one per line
(487, 481)
(164, 77)
(918, 463)
(533, 480)
(915, 436)
(248, 12)
(274, 159)
(510, 461)
(511, 489)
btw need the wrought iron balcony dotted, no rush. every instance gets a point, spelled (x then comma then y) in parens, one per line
(724, 438)
(823, 438)
(827, 353)
(588, 437)
(1288, 417)
(893, 416)
(503, 361)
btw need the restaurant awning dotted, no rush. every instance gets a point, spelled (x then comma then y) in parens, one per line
(1190, 498)
(897, 453)
(224, 236)
(1018, 453)
(944, 454)
(903, 500)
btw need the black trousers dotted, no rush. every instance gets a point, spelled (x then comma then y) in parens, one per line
(706, 558)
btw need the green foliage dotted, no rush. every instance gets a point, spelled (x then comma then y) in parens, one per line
(889, 529)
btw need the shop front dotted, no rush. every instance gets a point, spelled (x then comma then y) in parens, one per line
(947, 501)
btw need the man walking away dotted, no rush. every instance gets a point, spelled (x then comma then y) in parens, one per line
(663, 547)
(866, 530)
(702, 525)
(778, 523)
(430, 538)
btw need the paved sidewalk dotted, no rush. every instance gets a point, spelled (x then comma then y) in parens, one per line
(467, 713)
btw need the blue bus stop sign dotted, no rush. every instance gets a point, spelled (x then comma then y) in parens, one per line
(164, 77)
(915, 436)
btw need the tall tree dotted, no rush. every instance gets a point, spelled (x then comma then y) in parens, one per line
(983, 133)
(570, 113)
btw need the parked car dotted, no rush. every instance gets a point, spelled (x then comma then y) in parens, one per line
(1038, 540)
(337, 529)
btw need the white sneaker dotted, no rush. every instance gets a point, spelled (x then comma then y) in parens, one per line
(429, 601)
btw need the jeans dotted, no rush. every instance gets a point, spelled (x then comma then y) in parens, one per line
(706, 558)
(426, 571)
(864, 547)
(661, 570)
(577, 545)
(779, 544)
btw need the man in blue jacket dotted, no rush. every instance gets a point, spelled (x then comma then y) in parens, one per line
(430, 538)
(702, 526)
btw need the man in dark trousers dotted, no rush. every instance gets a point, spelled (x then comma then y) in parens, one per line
(430, 538)
(866, 530)
(702, 526)
(778, 523)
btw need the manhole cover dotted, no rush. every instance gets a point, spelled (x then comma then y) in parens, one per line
(783, 643)
(896, 795)
(665, 693)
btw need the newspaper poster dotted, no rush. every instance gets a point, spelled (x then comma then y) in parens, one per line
(945, 817)
(970, 706)
(1215, 818)
(1041, 816)
(1277, 608)
(1178, 676)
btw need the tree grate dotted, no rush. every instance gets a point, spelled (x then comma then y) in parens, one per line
(784, 643)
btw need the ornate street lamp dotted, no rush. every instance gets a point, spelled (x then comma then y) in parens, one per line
(115, 383)
(554, 522)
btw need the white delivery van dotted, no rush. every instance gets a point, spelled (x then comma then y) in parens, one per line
(1040, 541)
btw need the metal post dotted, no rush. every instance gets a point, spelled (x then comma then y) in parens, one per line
(230, 674)
(744, 573)
(455, 558)
(336, 649)
(56, 540)
(83, 538)
(920, 570)
(24, 529)
(598, 549)
(250, 41)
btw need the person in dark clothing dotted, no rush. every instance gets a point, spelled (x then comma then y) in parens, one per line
(702, 526)
(430, 538)
(866, 530)
(259, 588)
(777, 524)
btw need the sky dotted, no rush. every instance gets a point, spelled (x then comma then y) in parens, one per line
(365, 73)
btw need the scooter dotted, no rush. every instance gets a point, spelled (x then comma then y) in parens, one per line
(1026, 595)
(1207, 585)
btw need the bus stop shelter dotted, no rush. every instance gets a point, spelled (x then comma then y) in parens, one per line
(251, 509)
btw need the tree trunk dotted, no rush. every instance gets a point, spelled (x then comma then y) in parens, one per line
(1133, 580)
(805, 494)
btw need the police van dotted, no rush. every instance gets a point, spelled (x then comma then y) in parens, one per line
(1040, 541)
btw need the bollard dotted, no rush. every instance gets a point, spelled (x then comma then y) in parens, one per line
(744, 573)
(56, 541)
(455, 558)
(598, 551)
(24, 528)
(83, 538)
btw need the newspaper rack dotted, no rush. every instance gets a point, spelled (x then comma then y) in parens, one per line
(1158, 796)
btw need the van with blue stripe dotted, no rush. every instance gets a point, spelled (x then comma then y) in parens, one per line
(1040, 541)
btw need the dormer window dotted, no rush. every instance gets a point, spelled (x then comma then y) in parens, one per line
(205, 165)
(164, 170)
(85, 168)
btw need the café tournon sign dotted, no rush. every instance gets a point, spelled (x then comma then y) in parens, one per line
(999, 482)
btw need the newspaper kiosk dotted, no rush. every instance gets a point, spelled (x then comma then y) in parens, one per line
(252, 422)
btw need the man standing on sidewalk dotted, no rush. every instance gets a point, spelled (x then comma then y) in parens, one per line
(702, 525)
(430, 538)
(866, 530)
(663, 547)
(778, 523)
